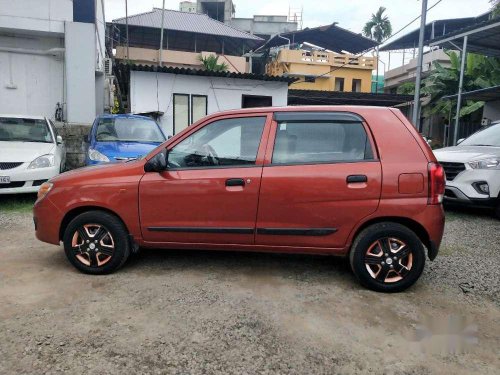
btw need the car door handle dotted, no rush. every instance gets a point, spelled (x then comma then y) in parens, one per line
(235, 182)
(357, 178)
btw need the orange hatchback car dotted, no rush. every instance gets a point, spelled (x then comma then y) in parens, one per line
(347, 181)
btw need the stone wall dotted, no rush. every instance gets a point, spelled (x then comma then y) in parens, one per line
(74, 136)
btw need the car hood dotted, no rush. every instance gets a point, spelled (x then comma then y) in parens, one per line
(16, 152)
(124, 150)
(464, 154)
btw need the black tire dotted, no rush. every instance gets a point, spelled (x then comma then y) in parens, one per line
(385, 231)
(119, 238)
(497, 209)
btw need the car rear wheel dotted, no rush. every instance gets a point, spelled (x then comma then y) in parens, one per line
(387, 257)
(96, 242)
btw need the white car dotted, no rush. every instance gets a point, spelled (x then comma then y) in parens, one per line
(473, 169)
(31, 153)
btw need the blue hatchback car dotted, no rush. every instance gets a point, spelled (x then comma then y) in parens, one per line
(116, 138)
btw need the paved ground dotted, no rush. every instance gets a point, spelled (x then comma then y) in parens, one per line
(189, 312)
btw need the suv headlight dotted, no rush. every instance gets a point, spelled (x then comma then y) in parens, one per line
(43, 161)
(96, 155)
(489, 163)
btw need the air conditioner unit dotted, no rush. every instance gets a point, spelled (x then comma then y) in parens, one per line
(108, 66)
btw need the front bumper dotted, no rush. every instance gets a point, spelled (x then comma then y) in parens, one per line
(456, 196)
(24, 180)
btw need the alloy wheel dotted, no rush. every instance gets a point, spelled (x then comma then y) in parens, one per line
(388, 260)
(93, 245)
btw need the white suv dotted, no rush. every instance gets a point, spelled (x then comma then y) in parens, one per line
(473, 169)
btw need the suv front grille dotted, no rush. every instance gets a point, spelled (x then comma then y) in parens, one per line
(452, 169)
(4, 166)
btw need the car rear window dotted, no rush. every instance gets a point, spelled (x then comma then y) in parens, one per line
(309, 142)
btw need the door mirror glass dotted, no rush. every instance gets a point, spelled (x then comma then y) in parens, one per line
(157, 163)
(59, 140)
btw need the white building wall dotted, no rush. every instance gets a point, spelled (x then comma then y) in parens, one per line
(36, 15)
(223, 93)
(492, 110)
(31, 83)
(80, 72)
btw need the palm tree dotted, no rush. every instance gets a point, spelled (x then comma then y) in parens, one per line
(378, 28)
(211, 63)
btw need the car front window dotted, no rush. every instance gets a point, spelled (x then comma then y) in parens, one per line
(486, 137)
(24, 130)
(127, 129)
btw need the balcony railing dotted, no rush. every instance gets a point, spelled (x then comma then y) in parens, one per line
(326, 58)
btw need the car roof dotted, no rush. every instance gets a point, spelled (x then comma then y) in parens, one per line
(31, 117)
(124, 115)
(305, 108)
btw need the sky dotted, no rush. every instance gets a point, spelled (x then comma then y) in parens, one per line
(350, 14)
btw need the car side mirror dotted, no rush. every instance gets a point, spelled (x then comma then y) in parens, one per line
(460, 141)
(59, 140)
(87, 138)
(157, 163)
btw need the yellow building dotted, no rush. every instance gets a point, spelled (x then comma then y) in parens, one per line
(326, 71)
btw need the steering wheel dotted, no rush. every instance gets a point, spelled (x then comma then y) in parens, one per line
(210, 154)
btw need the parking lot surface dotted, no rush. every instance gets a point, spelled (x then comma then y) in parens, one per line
(189, 312)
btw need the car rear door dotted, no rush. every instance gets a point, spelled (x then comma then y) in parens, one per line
(209, 193)
(321, 176)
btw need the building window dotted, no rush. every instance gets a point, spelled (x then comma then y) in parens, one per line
(181, 112)
(339, 84)
(356, 85)
(253, 101)
(199, 107)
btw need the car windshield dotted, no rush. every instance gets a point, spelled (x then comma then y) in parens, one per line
(486, 137)
(24, 130)
(128, 129)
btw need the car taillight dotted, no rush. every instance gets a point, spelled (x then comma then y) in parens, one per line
(437, 182)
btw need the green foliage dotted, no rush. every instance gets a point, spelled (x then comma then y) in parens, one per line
(481, 72)
(211, 63)
(378, 27)
(407, 88)
(495, 8)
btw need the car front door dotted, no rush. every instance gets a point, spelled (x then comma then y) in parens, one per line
(320, 178)
(209, 192)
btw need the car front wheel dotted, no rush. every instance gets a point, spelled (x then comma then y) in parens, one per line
(387, 257)
(96, 242)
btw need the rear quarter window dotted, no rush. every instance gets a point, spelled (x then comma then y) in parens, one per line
(309, 142)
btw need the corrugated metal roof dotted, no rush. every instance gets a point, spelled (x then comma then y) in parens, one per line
(187, 22)
(316, 97)
(198, 72)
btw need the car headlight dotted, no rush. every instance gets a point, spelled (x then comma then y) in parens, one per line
(44, 190)
(490, 163)
(96, 155)
(43, 161)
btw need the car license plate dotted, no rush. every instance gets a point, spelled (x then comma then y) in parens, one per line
(4, 180)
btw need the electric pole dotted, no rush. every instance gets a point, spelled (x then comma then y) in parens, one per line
(416, 101)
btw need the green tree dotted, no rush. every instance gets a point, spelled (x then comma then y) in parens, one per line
(378, 28)
(495, 7)
(211, 63)
(481, 72)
